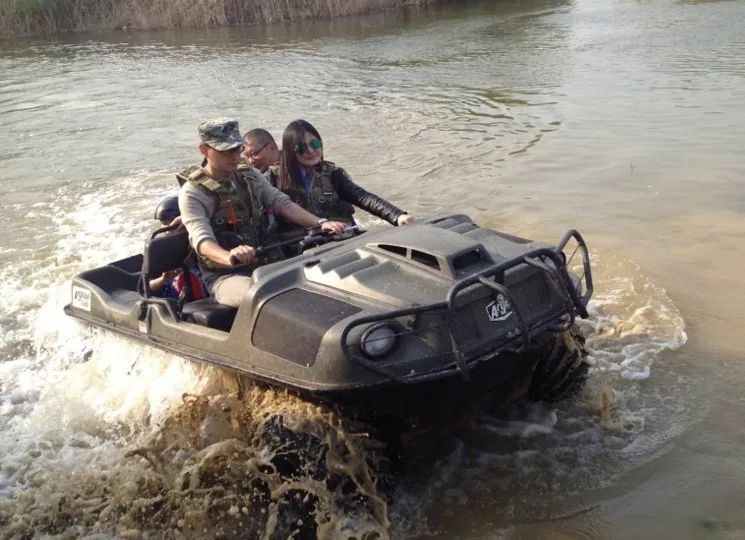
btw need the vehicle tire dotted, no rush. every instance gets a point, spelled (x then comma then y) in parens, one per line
(562, 370)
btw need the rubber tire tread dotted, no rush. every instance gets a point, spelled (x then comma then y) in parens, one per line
(562, 371)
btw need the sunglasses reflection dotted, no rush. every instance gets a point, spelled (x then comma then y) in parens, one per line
(314, 144)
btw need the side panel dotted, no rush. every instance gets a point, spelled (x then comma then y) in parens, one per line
(292, 324)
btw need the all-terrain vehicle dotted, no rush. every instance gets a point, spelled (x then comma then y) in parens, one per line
(403, 319)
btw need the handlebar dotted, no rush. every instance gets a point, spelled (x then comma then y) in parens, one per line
(303, 242)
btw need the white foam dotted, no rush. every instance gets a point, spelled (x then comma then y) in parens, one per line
(548, 453)
(632, 320)
(66, 387)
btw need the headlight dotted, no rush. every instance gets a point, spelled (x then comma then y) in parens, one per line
(378, 340)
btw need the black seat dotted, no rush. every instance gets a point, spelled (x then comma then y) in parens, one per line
(207, 312)
(164, 252)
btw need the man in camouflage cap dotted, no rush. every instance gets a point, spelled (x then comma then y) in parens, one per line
(223, 208)
(221, 135)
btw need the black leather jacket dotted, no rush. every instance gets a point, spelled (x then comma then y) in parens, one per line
(348, 192)
(353, 194)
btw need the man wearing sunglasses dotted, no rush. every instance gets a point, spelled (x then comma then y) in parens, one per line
(223, 208)
(261, 151)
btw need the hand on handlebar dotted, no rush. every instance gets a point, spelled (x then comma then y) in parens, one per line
(335, 227)
(404, 219)
(241, 255)
(180, 225)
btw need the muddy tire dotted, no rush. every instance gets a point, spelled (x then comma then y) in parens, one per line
(562, 370)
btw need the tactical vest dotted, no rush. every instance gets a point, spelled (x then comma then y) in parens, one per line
(239, 215)
(272, 174)
(244, 164)
(323, 199)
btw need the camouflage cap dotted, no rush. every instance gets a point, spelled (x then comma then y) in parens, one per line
(221, 134)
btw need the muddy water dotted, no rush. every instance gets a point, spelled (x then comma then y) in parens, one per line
(622, 119)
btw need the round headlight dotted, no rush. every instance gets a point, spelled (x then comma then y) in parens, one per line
(378, 340)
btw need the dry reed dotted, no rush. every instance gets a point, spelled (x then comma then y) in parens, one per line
(23, 17)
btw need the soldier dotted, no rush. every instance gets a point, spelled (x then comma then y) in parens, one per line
(321, 187)
(223, 209)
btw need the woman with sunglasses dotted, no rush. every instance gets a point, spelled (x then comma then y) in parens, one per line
(321, 187)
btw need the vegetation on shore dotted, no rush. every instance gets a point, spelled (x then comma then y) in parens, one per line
(25, 17)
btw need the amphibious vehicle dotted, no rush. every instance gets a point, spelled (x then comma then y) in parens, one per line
(420, 318)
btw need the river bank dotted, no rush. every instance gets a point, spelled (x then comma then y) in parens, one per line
(44, 17)
(624, 120)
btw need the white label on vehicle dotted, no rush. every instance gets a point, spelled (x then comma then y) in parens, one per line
(81, 298)
(499, 309)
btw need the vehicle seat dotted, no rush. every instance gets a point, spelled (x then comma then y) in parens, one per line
(169, 252)
(207, 312)
(163, 253)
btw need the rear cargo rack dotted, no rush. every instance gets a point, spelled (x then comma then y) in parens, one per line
(551, 262)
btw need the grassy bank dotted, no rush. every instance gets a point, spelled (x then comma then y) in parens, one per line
(25, 17)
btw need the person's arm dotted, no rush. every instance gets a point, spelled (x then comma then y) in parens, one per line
(196, 208)
(158, 282)
(297, 214)
(404, 219)
(284, 207)
(176, 222)
(353, 194)
(213, 251)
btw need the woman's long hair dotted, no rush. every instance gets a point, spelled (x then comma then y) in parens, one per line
(294, 135)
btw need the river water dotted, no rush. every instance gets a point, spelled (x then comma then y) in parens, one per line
(623, 119)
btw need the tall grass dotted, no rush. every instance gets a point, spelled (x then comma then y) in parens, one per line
(22, 17)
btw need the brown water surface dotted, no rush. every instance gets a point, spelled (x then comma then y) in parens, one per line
(625, 120)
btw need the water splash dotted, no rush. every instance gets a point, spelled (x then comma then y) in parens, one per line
(129, 442)
(517, 468)
(632, 322)
(102, 436)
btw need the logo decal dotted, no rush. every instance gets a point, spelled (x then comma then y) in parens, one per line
(81, 298)
(499, 309)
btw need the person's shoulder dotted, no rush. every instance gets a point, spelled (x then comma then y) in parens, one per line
(272, 175)
(244, 164)
(191, 174)
(337, 173)
(194, 189)
(333, 169)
